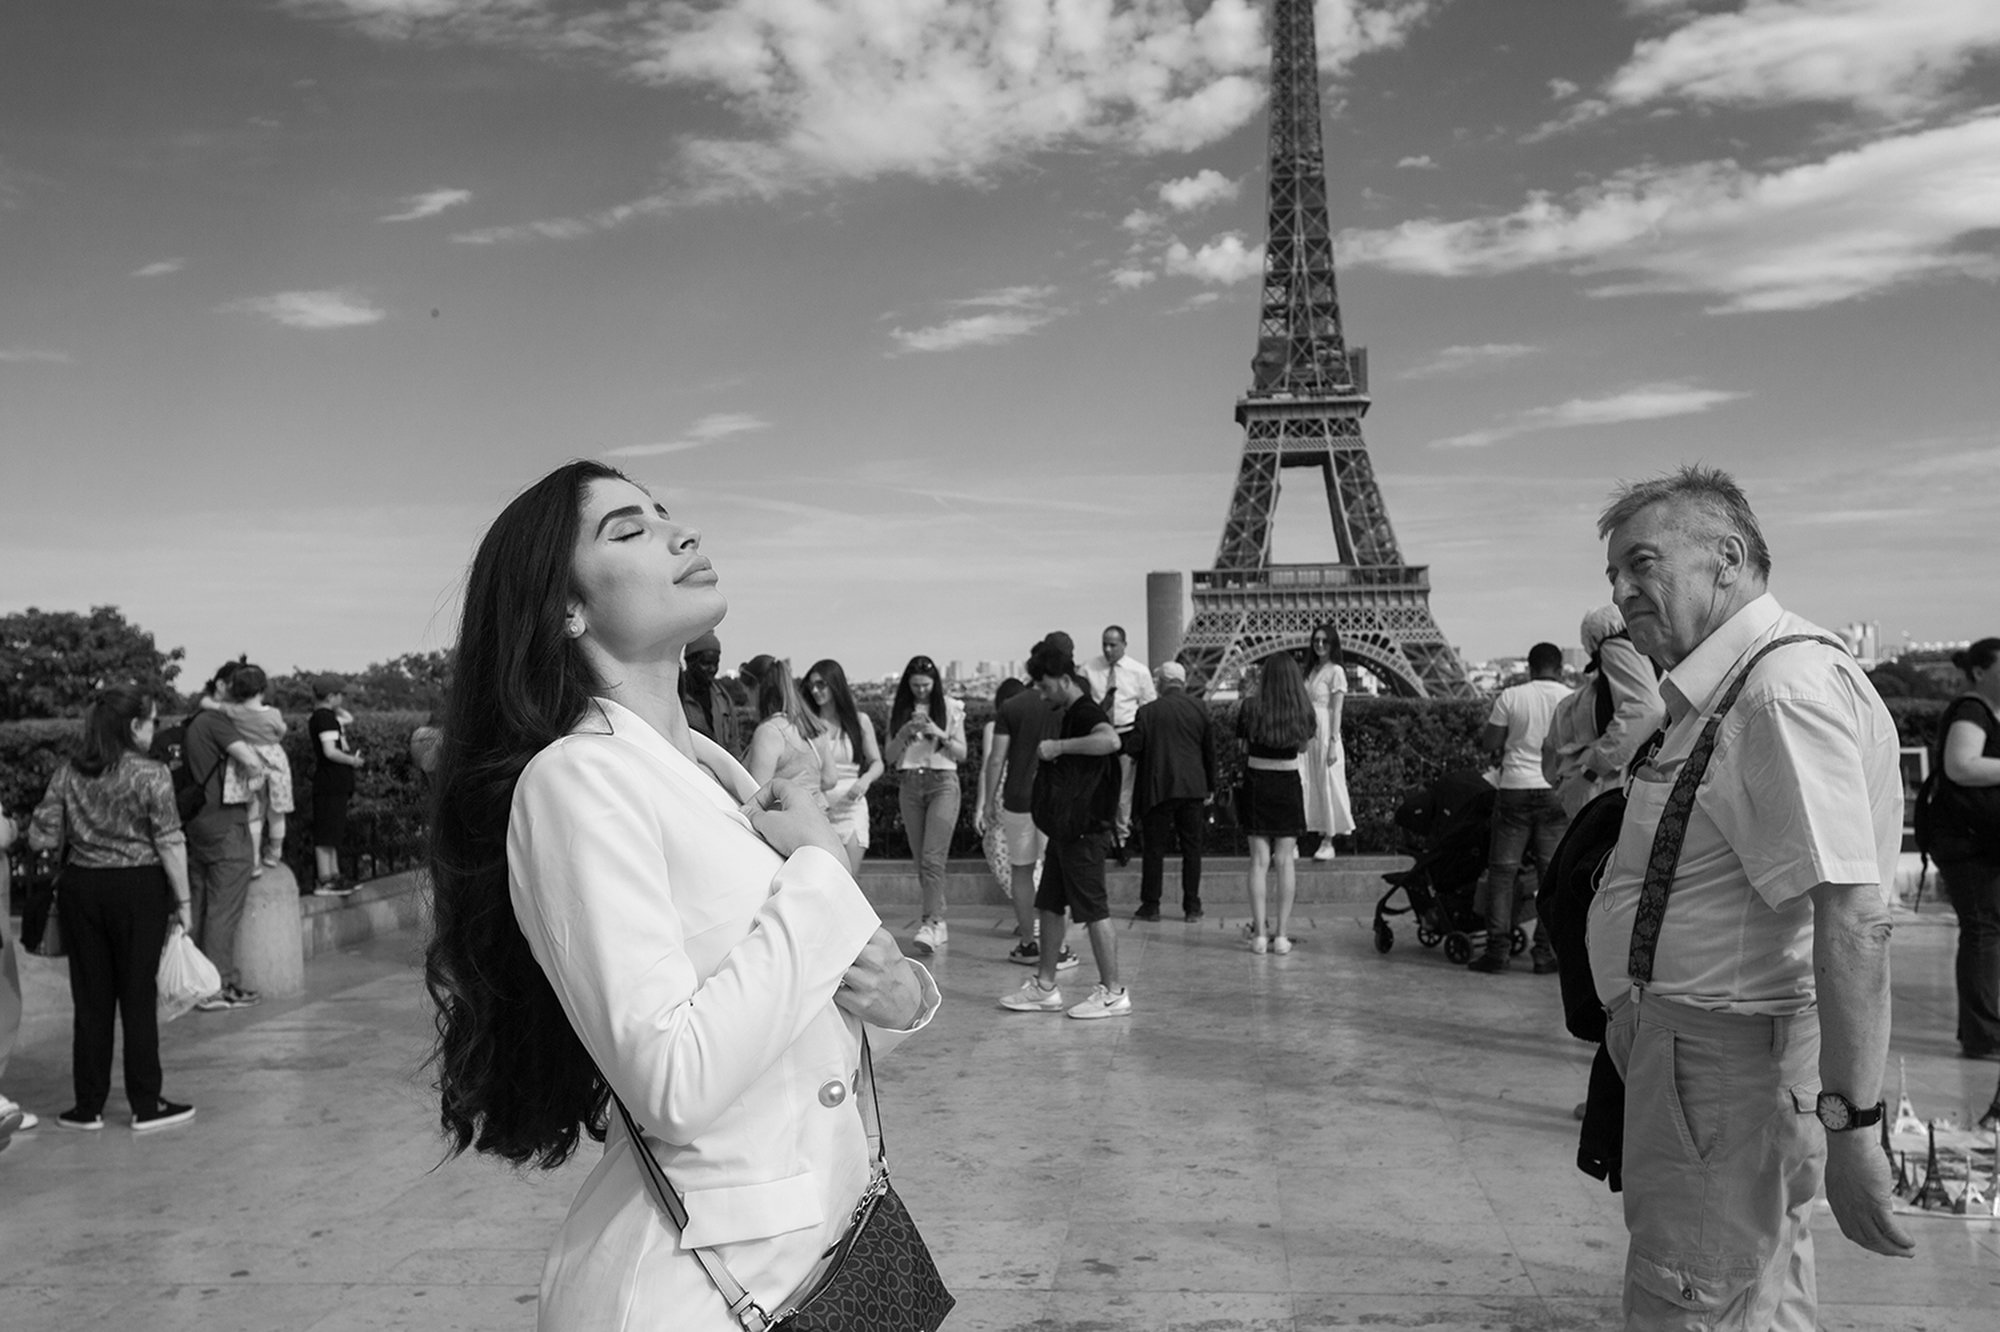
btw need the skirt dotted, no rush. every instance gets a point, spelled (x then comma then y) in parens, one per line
(1274, 803)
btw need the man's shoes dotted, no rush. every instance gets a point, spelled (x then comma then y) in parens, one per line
(1032, 998)
(239, 997)
(165, 1114)
(1487, 964)
(1281, 944)
(333, 888)
(214, 1003)
(1546, 966)
(1146, 913)
(1122, 853)
(1066, 959)
(76, 1119)
(1104, 1004)
(1029, 954)
(931, 936)
(1193, 917)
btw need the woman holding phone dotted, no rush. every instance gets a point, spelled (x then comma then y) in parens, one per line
(620, 911)
(926, 745)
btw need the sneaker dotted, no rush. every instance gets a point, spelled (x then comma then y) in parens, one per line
(1027, 953)
(1259, 944)
(333, 888)
(1325, 851)
(1032, 998)
(1145, 913)
(214, 1003)
(931, 936)
(1281, 944)
(1067, 960)
(274, 861)
(1103, 1004)
(239, 997)
(82, 1123)
(9, 1108)
(165, 1114)
(1487, 964)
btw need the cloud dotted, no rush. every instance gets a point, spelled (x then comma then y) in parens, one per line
(1455, 360)
(1131, 279)
(1423, 163)
(1221, 261)
(708, 430)
(1561, 89)
(981, 330)
(311, 309)
(1647, 402)
(33, 356)
(1894, 57)
(1902, 209)
(826, 91)
(428, 204)
(1201, 189)
(160, 269)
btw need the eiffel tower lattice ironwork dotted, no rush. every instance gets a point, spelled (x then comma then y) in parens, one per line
(1308, 393)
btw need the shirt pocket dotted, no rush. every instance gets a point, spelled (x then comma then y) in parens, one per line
(738, 1212)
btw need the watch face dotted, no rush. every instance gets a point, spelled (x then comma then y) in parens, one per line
(1834, 1111)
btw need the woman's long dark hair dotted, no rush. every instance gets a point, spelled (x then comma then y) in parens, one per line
(1280, 712)
(845, 715)
(107, 729)
(1334, 656)
(512, 1077)
(906, 702)
(778, 695)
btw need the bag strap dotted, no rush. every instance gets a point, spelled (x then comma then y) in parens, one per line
(742, 1306)
(1672, 829)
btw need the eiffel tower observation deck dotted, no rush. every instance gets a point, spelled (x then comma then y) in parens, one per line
(1308, 393)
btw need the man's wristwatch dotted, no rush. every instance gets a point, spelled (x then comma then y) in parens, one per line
(1840, 1114)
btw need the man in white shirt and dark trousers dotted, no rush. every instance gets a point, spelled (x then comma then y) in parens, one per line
(1526, 813)
(1739, 938)
(1120, 685)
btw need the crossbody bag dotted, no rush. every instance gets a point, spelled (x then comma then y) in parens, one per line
(878, 1277)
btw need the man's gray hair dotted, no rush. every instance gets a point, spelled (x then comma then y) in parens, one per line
(1708, 500)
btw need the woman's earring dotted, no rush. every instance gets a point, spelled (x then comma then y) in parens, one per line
(574, 628)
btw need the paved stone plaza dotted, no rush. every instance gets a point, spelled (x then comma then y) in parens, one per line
(1327, 1140)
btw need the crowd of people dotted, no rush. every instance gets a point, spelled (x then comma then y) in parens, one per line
(644, 899)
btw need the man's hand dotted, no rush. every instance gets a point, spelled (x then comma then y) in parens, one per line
(881, 987)
(1857, 1186)
(1050, 750)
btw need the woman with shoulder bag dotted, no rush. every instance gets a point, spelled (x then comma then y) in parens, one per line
(1966, 843)
(124, 883)
(632, 940)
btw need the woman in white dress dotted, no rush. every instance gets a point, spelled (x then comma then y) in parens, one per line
(857, 754)
(619, 910)
(1328, 810)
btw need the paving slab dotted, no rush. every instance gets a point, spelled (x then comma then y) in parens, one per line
(1332, 1139)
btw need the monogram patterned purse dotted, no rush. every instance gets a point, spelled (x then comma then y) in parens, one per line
(878, 1277)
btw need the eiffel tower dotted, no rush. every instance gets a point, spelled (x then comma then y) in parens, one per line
(1308, 393)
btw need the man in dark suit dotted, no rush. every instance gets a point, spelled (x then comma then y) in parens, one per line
(1173, 742)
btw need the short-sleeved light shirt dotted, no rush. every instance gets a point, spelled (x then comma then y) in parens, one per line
(1803, 789)
(1523, 711)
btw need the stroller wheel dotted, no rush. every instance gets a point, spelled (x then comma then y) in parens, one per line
(1428, 936)
(1385, 938)
(1458, 947)
(1520, 942)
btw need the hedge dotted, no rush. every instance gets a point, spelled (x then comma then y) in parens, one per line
(1393, 746)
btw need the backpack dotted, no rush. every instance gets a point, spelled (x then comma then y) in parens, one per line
(1941, 802)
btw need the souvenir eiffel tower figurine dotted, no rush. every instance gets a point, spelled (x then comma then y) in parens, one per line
(1906, 1114)
(1932, 1196)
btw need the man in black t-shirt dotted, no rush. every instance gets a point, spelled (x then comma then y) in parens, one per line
(334, 762)
(1019, 727)
(1075, 799)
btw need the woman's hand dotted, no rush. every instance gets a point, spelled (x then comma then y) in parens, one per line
(183, 916)
(787, 816)
(881, 988)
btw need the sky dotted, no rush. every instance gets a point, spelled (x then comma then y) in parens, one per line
(933, 316)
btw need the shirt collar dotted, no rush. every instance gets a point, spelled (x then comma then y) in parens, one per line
(1703, 670)
(627, 725)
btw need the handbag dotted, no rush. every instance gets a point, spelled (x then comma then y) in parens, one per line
(878, 1277)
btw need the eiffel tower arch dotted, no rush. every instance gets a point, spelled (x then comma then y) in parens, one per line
(1308, 393)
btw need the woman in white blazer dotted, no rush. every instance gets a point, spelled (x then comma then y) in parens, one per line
(620, 910)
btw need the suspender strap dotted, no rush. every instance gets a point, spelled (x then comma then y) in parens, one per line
(741, 1305)
(1672, 830)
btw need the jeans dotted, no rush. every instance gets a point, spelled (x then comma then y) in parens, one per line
(1521, 820)
(929, 798)
(114, 924)
(1182, 821)
(219, 865)
(1722, 1160)
(1974, 889)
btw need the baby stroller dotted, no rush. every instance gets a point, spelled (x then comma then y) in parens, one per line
(1445, 825)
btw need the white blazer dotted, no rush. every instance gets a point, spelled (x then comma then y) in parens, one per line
(698, 967)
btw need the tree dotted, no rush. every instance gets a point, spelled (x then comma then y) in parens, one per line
(413, 682)
(51, 662)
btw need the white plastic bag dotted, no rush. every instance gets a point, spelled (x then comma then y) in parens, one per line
(186, 975)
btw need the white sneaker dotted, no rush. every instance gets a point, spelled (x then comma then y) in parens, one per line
(1032, 998)
(1104, 1004)
(1259, 944)
(931, 936)
(1325, 851)
(1281, 945)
